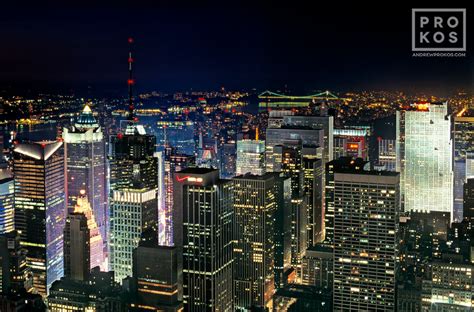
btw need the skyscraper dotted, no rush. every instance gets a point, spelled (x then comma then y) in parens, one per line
(250, 157)
(287, 135)
(174, 162)
(203, 229)
(282, 229)
(424, 158)
(95, 243)
(254, 248)
(463, 150)
(133, 195)
(40, 208)
(316, 122)
(156, 274)
(313, 189)
(6, 201)
(76, 247)
(468, 200)
(15, 274)
(342, 163)
(84, 146)
(366, 216)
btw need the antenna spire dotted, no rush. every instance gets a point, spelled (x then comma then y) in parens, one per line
(131, 108)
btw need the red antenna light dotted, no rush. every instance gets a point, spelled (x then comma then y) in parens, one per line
(130, 82)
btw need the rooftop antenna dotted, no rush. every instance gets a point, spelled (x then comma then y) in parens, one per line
(131, 108)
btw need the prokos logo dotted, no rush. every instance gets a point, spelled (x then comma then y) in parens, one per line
(438, 29)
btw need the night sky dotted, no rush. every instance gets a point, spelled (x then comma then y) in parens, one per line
(206, 46)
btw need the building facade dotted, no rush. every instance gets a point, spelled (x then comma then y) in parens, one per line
(365, 240)
(254, 247)
(84, 146)
(204, 225)
(40, 208)
(425, 158)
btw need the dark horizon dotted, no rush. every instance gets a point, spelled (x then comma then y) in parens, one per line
(84, 50)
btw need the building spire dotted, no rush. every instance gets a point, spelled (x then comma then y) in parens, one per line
(131, 108)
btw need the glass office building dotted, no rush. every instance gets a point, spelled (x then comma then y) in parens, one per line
(425, 158)
(40, 208)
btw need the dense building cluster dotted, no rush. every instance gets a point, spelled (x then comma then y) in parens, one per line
(203, 206)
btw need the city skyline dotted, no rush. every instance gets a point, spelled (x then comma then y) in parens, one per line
(223, 197)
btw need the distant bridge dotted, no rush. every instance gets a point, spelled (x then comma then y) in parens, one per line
(269, 99)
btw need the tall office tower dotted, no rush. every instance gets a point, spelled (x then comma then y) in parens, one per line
(228, 160)
(342, 163)
(7, 223)
(161, 197)
(250, 157)
(366, 216)
(14, 272)
(254, 248)
(133, 187)
(76, 247)
(133, 202)
(174, 162)
(316, 122)
(204, 225)
(282, 229)
(39, 196)
(387, 154)
(155, 274)
(449, 287)
(95, 243)
(84, 146)
(352, 142)
(424, 158)
(292, 167)
(287, 135)
(463, 148)
(313, 189)
(468, 200)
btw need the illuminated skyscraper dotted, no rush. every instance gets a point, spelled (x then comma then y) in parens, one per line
(254, 248)
(313, 173)
(95, 243)
(342, 163)
(6, 201)
(287, 135)
(174, 162)
(425, 158)
(86, 170)
(366, 216)
(204, 225)
(316, 122)
(463, 158)
(133, 195)
(250, 157)
(40, 208)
